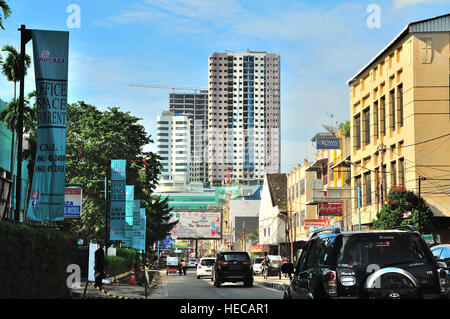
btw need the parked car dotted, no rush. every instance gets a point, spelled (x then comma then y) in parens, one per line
(192, 263)
(232, 266)
(204, 267)
(367, 264)
(257, 261)
(442, 254)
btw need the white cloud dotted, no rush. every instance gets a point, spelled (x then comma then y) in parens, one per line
(404, 3)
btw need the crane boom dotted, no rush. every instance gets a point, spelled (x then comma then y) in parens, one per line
(157, 86)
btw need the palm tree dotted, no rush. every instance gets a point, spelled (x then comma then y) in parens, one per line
(11, 66)
(6, 12)
(10, 116)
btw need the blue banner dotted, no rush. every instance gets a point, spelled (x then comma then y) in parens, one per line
(51, 59)
(117, 201)
(129, 203)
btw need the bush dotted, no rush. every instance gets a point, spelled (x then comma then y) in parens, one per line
(33, 261)
(124, 261)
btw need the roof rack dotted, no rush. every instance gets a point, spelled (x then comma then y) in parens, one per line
(334, 230)
(405, 227)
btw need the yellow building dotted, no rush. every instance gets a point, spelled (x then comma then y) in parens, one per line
(400, 121)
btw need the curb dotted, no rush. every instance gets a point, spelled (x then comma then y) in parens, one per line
(273, 285)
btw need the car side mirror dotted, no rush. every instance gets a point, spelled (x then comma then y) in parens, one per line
(442, 264)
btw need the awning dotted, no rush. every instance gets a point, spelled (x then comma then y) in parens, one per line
(342, 163)
(317, 165)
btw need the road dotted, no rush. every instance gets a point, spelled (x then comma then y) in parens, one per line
(175, 286)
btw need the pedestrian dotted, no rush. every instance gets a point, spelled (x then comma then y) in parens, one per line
(184, 266)
(265, 267)
(99, 266)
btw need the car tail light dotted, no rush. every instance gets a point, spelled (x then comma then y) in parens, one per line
(330, 282)
(247, 262)
(199, 267)
(442, 280)
(221, 263)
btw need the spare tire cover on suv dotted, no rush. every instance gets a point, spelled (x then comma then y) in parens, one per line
(393, 283)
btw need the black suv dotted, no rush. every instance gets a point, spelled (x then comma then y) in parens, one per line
(389, 264)
(232, 266)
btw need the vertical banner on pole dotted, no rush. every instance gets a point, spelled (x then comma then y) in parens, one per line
(50, 57)
(117, 201)
(143, 229)
(136, 223)
(129, 202)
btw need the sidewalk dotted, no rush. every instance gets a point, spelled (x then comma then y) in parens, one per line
(272, 282)
(120, 289)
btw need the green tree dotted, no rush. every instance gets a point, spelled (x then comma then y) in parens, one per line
(403, 207)
(344, 127)
(6, 12)
(11, 66)
(94, 137)
(158, 225)
(10, 116)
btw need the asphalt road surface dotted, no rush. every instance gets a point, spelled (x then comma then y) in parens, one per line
(175, 286)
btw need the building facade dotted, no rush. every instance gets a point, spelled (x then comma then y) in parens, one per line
(400, 120)
(174, 147)
(244, 117)
(194, 105)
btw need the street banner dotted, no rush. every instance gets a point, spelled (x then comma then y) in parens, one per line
(73, 198)
(129, 203)
(142, 230)
(51, 60)
(117, 204)
(139, 221)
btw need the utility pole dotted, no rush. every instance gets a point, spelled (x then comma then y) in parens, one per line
(243, 235)
(421, 178)
(25, 36)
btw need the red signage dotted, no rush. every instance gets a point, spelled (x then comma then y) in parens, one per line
(330, 209)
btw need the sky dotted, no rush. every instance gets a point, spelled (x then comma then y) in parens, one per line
(168, 42)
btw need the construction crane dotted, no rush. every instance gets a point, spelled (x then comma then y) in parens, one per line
(173, 88)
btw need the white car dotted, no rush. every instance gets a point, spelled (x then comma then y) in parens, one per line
(257, 265)
(204, 267)
(192, 263)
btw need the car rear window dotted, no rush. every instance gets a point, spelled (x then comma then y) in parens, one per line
(207, 262)
(276, 260)
(258, 260)
(235, 257)
(381, 249)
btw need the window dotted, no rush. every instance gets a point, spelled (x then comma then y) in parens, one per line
(313, 254)
(367, 189)
(357, 131)
(375, 120)
(302, 187)
(426, 50)
(326, 251)
(366, 115)
(393, 174)
(392, 110)
(383, 116)
(401, 171)
(400, 104)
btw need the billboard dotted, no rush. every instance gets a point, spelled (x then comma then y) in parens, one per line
(72, 202)
(196, 224)
(330, 209)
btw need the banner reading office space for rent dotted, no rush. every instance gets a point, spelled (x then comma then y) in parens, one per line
(117, 204)
(50, 57)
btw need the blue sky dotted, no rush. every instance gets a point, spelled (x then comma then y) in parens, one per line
(321, 44)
